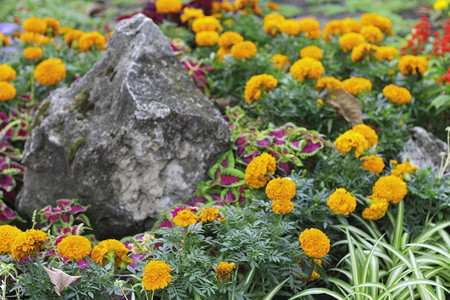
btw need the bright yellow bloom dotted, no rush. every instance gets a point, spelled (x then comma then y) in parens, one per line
(72, 36)
(224, 5)
(245, 49)
(4, 40)
(32, 53)
(206, 38)
(110, 250)
(385, 52)
(257, 170)
(35, 25)
(372, 19)
(403, 168)
(168, 6)
(7, 73)
(372, 163)
(340, 27)
(397, 94)
(191, 14)
(209, 214)
(185, 218)
(65, 29)
(376, 210)
(282, 206)
(372, 34)
(281, 189)
(229, 39)
(341, 202)
(27, 243)
(91, 39)
(30, 37)
(309, 25)
(50, 71)
(351, 25)
(412, 65)
(53, 26)
(311, 51)
(320, 101)
(256, 83)
(356, 85)
(74, 247)
(314, 243)
(363, 50)
(306, 68)
(329, 83)
(290, 27)
(222, 52)
(7, 91)
(370, 134)
(271, 23)
(206, 24)
(351, 140)
(440, 4)
(8, 233)
(391, 188)
(156, 275)
(281, 61)
(245, 5)
(223, 270)
(350, 40)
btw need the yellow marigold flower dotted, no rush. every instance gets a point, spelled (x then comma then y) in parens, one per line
(329, 83)
(8, 233)
(282, 206)
(257, 170)
(314, 276)
(372, 34)
(290, 27)
(314, 242)
(397, 94)
(376, 210)
(191, 14)
(403, 168)
(74, 247)
(311, 51)
(209, 214)
(223, 270)
(281, 189)
(222, 52)
(53, 26)
(372, 19)
(32, 53)
(251, 5)
(363, 50)
(206, 38)
(44, 40)
(168, 6)
(27, 243)
(109, 35)
(230, 38)
(340, 27)
(50, 71)
(351, 140)
(72, 36)
(356, 85)
(350, 40)
(7, 91)
(412, 65)
(341, 202)
(306, 68)
(281, 61)
(440, 4)
(245, 49)
(351, 25)
(30, 37)
(185, 218)
(313, 35)
(109, 250)
(370, 134)
(227, 6)
(253, 87)
(91, 39)
(309, 25)
(320, 101)
(4, 40)
(271, 23)
(385, 52)
(156, 275)
(7, 73)
(391, 188)
(273, 6)
(65, 29)
(35, 25)
(372, 163)
(206, 24)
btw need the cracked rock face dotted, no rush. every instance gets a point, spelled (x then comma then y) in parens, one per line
(130, 138)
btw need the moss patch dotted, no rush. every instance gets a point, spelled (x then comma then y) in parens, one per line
(41, 112)
(79, 142)
(81, 102)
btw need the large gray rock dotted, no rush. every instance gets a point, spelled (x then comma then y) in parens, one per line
(130, 138)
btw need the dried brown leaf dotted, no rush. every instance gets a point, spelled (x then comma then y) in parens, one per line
(60, 279)
(347, 105)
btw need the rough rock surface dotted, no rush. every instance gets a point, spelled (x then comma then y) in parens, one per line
(131, 138)
(423, 149)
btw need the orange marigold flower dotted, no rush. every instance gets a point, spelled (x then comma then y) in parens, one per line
(281, 61)
(72, 36)
(376, 210)
(168, 6)
(282, 206)
(229, 39)
(363, 50)
(206, 38)
(372, 19)
(222, 52)
(185, 218)
(91, 39)
(340, 27)
(314, 243)
(53, 26)
(8, 234)
(190, 13)
(385, 52)
(290, 27)
(223, 270)
(281, 189)
(32, 53)
(311, 51)
(245, 49)
(397, 94)
(351, 25)
(271, 23)
(206, 24)
(372, 163)
(110, 250)
(251, 5)
(406, 167)
(314, 276)
(356, 85)
(4, 40)
(309, 25)
(50, 71)
(35, 25)
(74, 247)
(372, 34)
(156, 275)
(257, 170)
(341, 202)
(329, 83)
(351, 140)
(7, 91)
(370, 134)
(7, 73)
(27, 243)
(273, 6)
(412, 65)
(209, 214)
(65, 29)
(350, 40)
(391, 188)
(306, 68)
(255, 84)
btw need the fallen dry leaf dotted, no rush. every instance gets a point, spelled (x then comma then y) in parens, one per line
(347, 105)
(60, 279)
